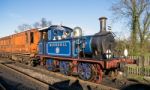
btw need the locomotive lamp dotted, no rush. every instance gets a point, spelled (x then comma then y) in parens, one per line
(125, 52)
(77, 32)
(108, 54)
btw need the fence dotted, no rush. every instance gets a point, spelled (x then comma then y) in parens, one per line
(141, 68)
(141, 61)
(137, 70)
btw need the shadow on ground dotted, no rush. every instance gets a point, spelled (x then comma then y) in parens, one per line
(12, 85)
(136, 87)
(66, 85)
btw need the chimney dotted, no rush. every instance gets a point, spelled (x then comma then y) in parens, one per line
(102, 24)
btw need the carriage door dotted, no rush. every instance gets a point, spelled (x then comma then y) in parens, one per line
(42, 43)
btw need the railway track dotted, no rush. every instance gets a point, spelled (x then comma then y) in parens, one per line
(54, 81)
(47, 80)
(41, 84)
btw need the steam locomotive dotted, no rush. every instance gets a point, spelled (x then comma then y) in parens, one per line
(64, 49)
(65, 42)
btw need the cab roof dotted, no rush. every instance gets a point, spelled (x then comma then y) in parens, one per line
(54, 26)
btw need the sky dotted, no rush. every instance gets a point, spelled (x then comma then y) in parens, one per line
(71, 13)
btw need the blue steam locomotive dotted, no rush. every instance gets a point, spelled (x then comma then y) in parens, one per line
(65, 42)
(65, 50)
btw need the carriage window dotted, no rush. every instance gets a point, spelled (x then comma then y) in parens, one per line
(31, 37)
(26, 37)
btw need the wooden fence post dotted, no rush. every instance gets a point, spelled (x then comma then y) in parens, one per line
(143, 59)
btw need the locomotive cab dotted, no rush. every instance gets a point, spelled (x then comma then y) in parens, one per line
(43, 40)
(53, 34)
(57, 32)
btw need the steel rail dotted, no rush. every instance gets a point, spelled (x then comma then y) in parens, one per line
(45, 85)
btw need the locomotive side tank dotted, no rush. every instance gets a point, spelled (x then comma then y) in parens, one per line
(54, 42)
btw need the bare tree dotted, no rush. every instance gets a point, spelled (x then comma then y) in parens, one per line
(49, 23)
(15, 31)
(134, 11)
(36, 25)
(43, 22)
(144, 30)
(24, 27)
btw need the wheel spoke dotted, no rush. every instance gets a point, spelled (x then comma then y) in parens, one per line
(64, 67)
(85, 71)
(50, 64)
(97, 73)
